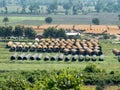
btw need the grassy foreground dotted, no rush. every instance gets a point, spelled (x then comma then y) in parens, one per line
(109, 64)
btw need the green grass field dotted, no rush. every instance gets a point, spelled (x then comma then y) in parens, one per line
(25, 19)
(110, 63)
(14, 20)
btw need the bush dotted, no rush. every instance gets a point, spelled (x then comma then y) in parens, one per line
(95, 21)
(113, 36)
(48, 20)
(91, 69)
(42, 80)
(106, 36)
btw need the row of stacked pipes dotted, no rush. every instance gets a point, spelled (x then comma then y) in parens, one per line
(58, 57)
(66, 46)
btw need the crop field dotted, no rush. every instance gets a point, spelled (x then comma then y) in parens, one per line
(110, 61)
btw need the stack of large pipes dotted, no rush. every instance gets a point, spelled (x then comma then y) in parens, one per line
(66, 46)
(59, 57)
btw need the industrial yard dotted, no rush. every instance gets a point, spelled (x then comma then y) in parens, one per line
(107, 47)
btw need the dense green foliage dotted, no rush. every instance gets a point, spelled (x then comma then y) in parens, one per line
(91, 69)
(56, 79)
(35, 80)
(54, 33)
(30, 33)
(18, 31)
(5, 31)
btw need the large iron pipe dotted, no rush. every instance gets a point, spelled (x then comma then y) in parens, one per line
(94, 58)
(13, 57)
(13, 48)
(19, 48)
(75, 58)
(87, 58)
(68, 57)
(33, 57)
(39, 57)
(60, 57)
(101, 58)
(47, 57)
(81, 58)
(26, 57)
(55, 57)
(20, 57)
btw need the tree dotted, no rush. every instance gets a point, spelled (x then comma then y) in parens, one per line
(23, 10)
(66, 7)
(118, 5)
(95, 21)
(75, 10)
(52, 7)
(110, 7)
(54, 33)
(4, 3)
(80, 5)
(61, 33)
(6, 10)
(2, 31)
(98, 6)
(5, 20)
(119, 16)
(50, 33)
(8, 31)
(18, 32)
(5, 31)
(48, 20)
(34, 8)
(30, 33)
(23, 5)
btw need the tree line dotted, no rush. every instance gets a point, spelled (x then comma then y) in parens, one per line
(17, 31)
(70, 6)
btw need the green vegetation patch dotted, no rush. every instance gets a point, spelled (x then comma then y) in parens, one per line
(18, 19)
